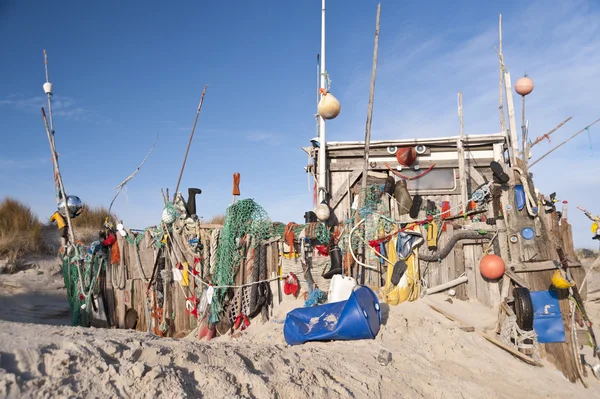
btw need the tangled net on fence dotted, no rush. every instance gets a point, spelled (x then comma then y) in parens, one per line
(244, 217)
(378, 224)
(81, 271)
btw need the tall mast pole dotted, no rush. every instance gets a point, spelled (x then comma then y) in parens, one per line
(322, 194)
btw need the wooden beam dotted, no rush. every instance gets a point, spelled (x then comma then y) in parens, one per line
(472, 138)
(516, 279)
(524, 267)
(476, 176)
(343, 189)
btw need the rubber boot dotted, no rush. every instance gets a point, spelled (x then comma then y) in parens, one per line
(191, 202)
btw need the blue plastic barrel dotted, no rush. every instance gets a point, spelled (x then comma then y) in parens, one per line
(359, 317)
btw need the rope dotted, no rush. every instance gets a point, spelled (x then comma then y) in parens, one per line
(214, 240)
(410, 178)
(512, 335)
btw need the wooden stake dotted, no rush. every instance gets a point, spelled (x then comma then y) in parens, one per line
(369, 120)
(461, 157)
(564, 142)
(547, 135)
(190, 141)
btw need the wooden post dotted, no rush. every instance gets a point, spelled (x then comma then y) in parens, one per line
(514, 143)
(369, 120)
(461, 157)
(371, 98)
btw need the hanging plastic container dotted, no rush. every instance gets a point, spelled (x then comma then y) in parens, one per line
(403, 197)
(565, 209)
(329, 106)
(520, 196)
(357, 318)
(340, 288)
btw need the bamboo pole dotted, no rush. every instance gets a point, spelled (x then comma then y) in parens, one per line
(461, 157)
(564, 142)
(189, 142)
(547, 135)
(368, 124)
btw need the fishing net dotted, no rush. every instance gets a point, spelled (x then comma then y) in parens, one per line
(81, 275)
(375, 212)
(241, 218)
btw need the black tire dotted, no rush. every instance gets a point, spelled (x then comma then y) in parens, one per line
(523, 308)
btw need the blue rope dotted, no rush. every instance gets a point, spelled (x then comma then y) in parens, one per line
(315, 297)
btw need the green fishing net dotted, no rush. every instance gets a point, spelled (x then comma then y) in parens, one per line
(91, 267)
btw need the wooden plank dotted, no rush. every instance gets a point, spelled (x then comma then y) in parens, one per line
(483, 289)
(342, 190)
(378, 164)
(491, 339)
(476, 176)
(472, 138)
(525, 267)
(516, 279)
(469, 252)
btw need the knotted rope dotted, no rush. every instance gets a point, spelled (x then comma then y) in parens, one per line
(214, 241)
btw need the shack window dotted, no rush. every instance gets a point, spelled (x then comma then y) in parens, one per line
(436, 179)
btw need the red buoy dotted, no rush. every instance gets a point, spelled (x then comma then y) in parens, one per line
(492, 267)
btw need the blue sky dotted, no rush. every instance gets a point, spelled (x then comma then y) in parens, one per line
(124, 72)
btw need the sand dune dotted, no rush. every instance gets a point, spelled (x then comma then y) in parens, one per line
(432, 358)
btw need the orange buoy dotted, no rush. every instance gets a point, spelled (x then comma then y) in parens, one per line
(491, 267)
(524, 86)
(406, 156)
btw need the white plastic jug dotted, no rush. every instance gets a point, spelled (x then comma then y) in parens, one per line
(340, 288)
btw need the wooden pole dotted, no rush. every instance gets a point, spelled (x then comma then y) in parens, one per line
(523, 131)
(371, 97)
(564, 142)
(461, 157)
(59, 178)
(190, 141)
(368, 123)
(547, 135)
(511, 118)
(500, 99)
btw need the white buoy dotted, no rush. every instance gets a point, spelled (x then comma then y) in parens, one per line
(48, 88)
(323, 212)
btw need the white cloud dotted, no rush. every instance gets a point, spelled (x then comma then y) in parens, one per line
(420, 74)
(62, 107)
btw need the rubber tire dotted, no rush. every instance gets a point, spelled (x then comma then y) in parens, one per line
(523, 308)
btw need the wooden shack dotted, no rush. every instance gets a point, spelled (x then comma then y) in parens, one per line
(527, 237)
